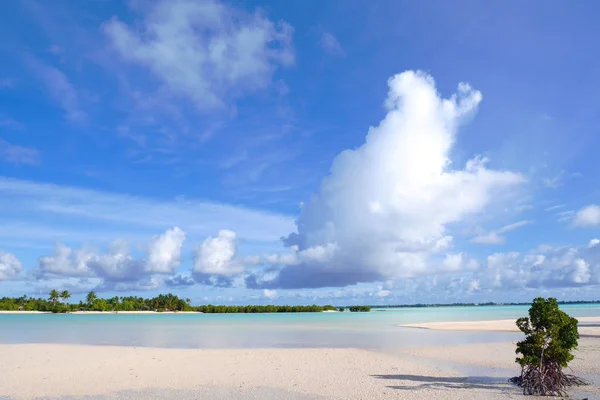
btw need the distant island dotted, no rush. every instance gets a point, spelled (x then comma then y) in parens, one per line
(431, 305)
(57, 302)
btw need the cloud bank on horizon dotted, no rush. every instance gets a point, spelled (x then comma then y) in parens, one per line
(187, 136)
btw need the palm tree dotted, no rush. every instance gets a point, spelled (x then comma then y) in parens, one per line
(65, 296)
(91, 297)
(54, 296)
(115, 303)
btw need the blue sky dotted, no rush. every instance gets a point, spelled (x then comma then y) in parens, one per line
(299, 152)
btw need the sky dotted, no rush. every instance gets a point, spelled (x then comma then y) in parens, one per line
(300, 152)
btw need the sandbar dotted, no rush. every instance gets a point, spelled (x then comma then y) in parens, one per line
(588, 326)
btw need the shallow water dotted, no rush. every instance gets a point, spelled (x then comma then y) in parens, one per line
(374, 330)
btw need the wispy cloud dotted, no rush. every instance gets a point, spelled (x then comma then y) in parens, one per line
(556, 207)
(77, 213)
(565, 216)
(252, 169)
(7, 83)
(18, 155)
(523, 207)
(488, 238)
(60, 89)
(511, 227)
(330, 44)
(10, 123)
(234, 159)
(559, 179)
(495, 237)
(554, 182)
(55, 49)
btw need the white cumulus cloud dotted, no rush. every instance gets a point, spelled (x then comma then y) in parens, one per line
(216, 255)
(453, 262)
(581, 271)
(385, 206)
(65, 261)
(164, 252)
(117, 265)
(315, 254)
(473, 286)
(10, 266)
(558, 268)
(587, 216)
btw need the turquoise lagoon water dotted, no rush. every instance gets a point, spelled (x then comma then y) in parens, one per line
(374, 330)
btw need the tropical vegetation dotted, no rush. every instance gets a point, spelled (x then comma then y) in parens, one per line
(359, 308)
(160, 303)
(551, 335)
(210, 309)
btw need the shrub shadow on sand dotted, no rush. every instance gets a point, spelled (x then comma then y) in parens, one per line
(423, 382)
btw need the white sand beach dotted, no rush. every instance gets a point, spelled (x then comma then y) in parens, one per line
(470, 371)
(504, 325)
(22, 312)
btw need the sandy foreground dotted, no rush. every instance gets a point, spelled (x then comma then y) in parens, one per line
(477, 371)
(588, 326)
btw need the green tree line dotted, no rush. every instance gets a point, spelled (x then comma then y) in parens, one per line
(210, 309)
(57, 302)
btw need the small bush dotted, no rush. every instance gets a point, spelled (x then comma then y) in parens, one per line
(550, 337)
(359, 308)
(58, 309)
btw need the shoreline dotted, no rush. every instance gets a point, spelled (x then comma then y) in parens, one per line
(501, 325)
(102, 312)
(149, 312)
(423, 372)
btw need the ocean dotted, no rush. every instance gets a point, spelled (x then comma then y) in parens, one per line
(377, 329)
